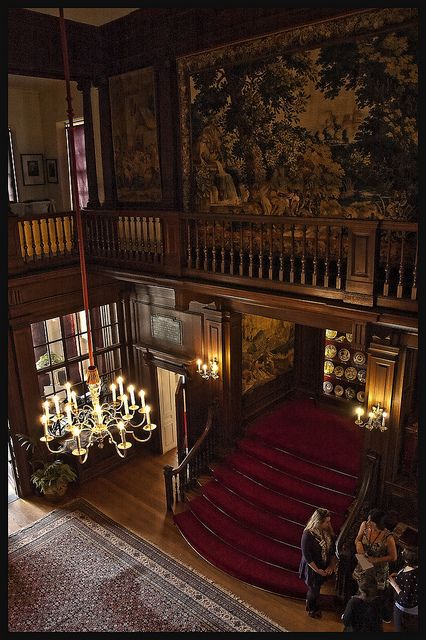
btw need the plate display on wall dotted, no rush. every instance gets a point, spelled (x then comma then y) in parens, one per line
(327, 386)
(359, 357)
(328, 367)
(338, 390)
(350, 373)
(350, 393)
(330, 351)
(360, 396)
(339, 371)
(349, 337)
(340, 339)
(330, 334)
(362, 374)
(344, 355)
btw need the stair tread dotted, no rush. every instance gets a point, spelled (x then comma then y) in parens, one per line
(289, 463)
(288, 485)
(250, 541)
(237, 563)
(252, 515)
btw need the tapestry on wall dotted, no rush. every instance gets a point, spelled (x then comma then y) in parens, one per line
(316, 120)
(135, 141)
(267, 349)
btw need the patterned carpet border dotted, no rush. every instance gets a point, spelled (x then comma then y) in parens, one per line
(172, 596)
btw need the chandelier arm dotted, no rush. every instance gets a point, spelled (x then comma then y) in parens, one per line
(140, 439)
(59, 450)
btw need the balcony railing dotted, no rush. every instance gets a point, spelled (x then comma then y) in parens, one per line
(363, 262)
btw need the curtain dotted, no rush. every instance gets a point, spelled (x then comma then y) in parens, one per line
(80, 161)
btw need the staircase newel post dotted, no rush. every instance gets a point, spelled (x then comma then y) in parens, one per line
(168, 480)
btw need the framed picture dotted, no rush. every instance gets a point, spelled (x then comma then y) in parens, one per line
(296, 123)
(51, 170)
(135, 136)
(32, 168)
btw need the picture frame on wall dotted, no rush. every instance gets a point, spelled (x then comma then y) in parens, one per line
(32, 169)
(51, 170)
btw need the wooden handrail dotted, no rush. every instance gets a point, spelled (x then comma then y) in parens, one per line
(170, 472)
(345, 543)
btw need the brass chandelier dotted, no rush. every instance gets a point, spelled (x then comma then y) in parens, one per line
(99, 421)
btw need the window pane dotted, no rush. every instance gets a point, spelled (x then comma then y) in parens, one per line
(56, 352)
(59, 379)
(83, 344)
(82, 325)
(109, 362)
(53, 329)
(45, 384)
(38, 333)
(70, 324)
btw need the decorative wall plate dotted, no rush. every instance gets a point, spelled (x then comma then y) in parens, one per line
(344, 355)
(350, 393)
(359, 357)
(360, 396)
(338, 390)
(328, 366)
(330, 351)
(339, 371)
(349, 337)
(350, 373)
(362, 374)
(330, 334)
(327, 386)
(339, 339)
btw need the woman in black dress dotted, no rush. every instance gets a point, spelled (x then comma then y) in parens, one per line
(363, 611)
(318, 557)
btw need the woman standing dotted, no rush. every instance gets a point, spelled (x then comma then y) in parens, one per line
(318, 557)
(405, 583)
(378, 545)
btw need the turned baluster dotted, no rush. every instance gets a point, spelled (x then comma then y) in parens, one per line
(303, 258)
(135, 240)
(102, 236)
(155, 231)
(148, 238)
(161, 244)
(327, 256)
(387, 265)
(222, 250)
(315, 260)
(49, 239)
(43, 243)
(241, 265)
(401, 268)
(197, 246)
(24, 240)
(339, 260)
(251, 250)
(231, 251)
(293, 226)
(271, 246)
(32, 236)
(281, 271)
(188, 249)
(96, 235)
(206, 256)
(414, 285)
(214, 247)
(260, 270)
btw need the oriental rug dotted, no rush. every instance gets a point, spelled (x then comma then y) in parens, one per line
(76, 570)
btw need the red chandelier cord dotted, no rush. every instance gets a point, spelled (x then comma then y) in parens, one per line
(74, 185)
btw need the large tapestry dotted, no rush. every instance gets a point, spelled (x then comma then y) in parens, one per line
(134, 129)
(268, 349)
(316, 120)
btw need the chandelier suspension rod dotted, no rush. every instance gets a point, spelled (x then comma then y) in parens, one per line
(74, 185)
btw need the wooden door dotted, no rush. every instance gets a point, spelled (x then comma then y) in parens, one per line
(167, 383)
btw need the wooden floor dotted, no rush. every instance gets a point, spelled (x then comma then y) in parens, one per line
(133, 495)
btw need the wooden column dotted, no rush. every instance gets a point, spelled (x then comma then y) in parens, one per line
(381, 371)
(84, 85)
(360, 265)
(101, 82)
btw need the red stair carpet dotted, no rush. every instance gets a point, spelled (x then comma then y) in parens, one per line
(249, 518)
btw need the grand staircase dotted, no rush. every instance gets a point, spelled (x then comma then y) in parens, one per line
(248, 518)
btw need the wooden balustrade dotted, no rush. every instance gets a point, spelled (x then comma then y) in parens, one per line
(363, 262)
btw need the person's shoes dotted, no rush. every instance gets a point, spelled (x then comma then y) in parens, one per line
(315, 614)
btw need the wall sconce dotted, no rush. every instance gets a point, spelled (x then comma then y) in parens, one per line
(376, 418)
(208, 372)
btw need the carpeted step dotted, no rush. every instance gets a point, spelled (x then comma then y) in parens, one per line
(250, 542)
(288, 485)
(300, 426)
(293, 465)
(237, 563)
(252, 515)
(278, 504)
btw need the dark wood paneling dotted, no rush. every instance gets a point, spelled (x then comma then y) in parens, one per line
(258, 401)
(308, 359)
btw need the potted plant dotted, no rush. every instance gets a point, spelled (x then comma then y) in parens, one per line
(52, 478)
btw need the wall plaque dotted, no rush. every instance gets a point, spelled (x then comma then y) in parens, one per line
(166, 328)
